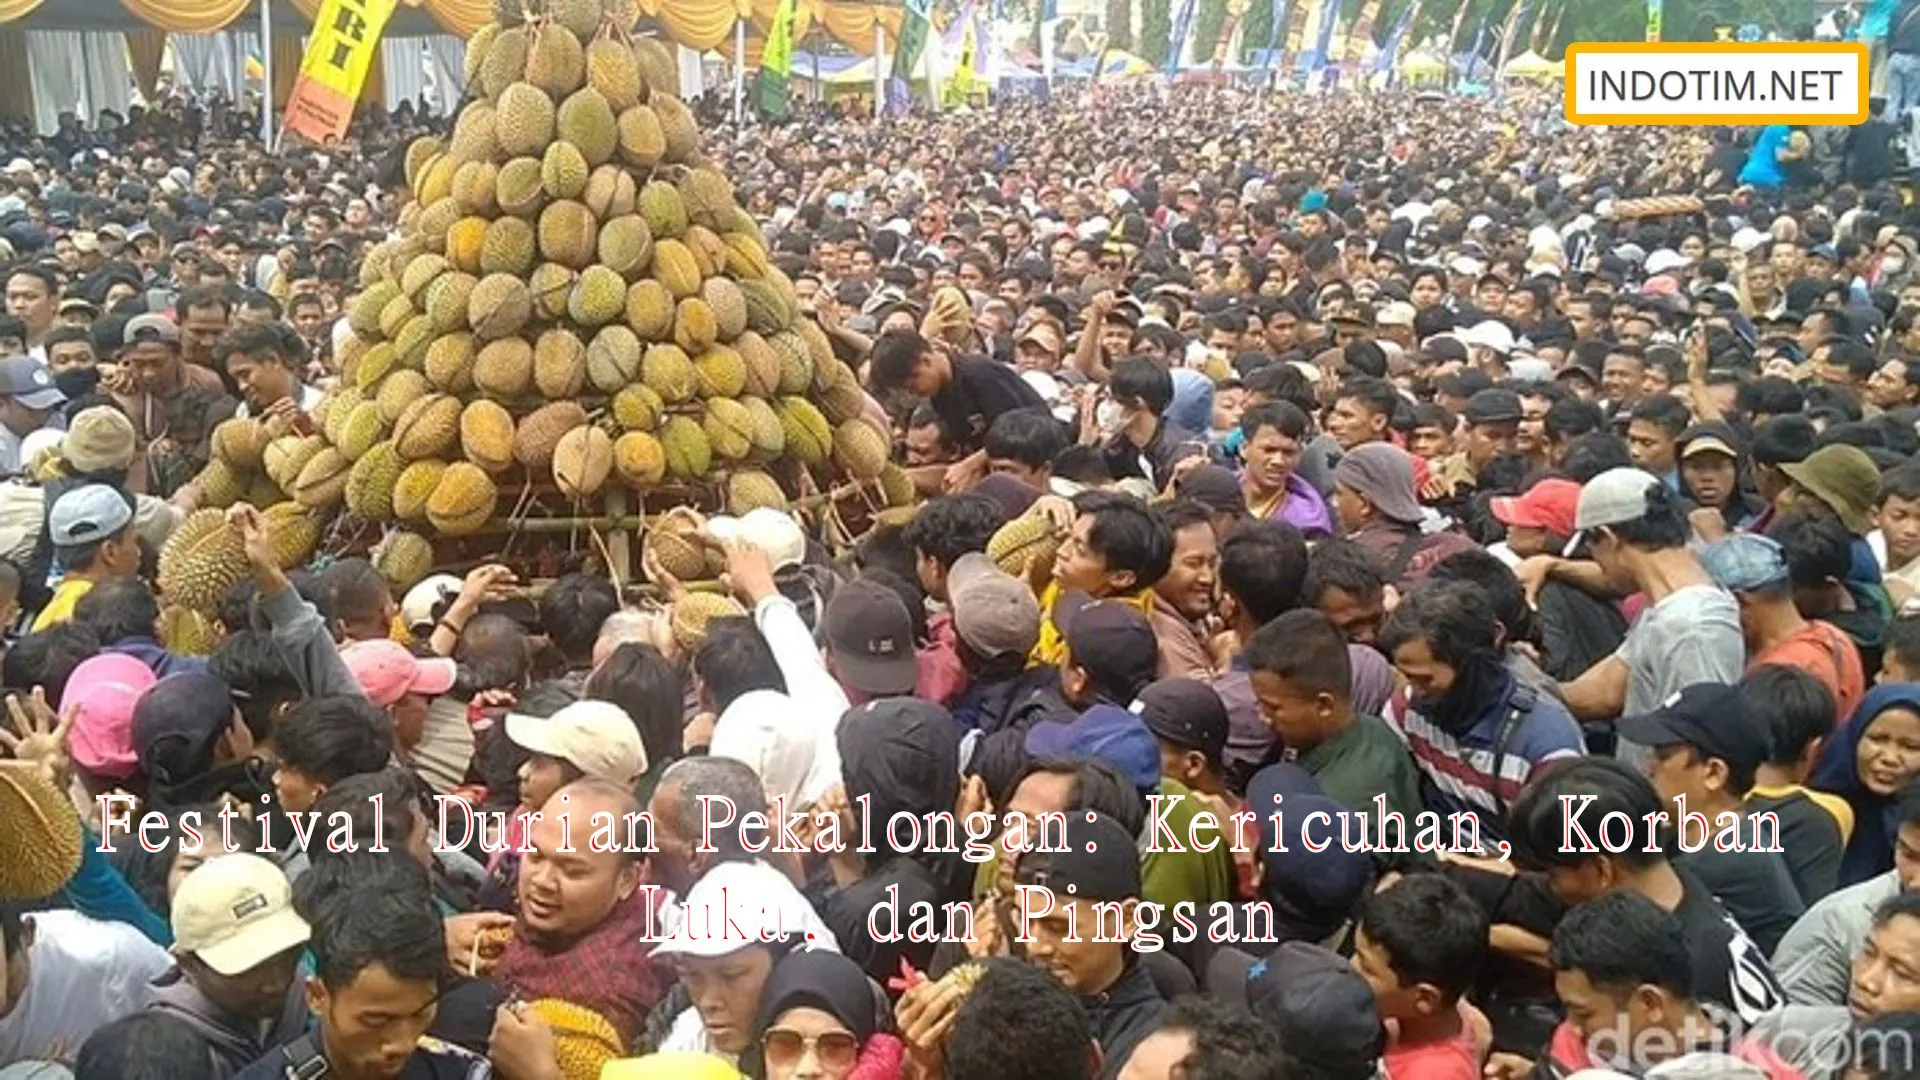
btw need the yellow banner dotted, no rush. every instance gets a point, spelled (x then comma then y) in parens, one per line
(344, 45)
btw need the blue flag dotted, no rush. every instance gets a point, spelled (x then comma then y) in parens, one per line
(1182, 23)
(1323, 40)
(1279, 18)
(1384, 62)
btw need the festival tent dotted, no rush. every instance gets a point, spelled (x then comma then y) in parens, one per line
(1531, 65)
(1421, 66)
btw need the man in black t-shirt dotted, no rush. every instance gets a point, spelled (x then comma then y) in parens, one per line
(1556, 827)
(967, 392)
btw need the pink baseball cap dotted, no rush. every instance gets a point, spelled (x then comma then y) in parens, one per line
(103, 690)
(387, 672)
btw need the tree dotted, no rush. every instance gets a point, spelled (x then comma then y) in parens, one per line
(1208, 20)
(1257, 29)
(1156, 28)
(1120, 24)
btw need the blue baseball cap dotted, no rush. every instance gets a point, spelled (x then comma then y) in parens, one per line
(1745, 562)
(1108, 734)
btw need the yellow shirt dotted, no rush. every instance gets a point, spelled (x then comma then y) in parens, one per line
(60, 608)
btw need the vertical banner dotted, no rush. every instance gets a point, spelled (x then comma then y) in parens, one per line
(1182, 23)
(1236, 12)
(345, 41)
(906, 54)
(1276, 34)
(1654, 10)
(1323, 38)
(1361, 33)
(1296, 38)
(960, 86)
(1049, 20)
(1390, 52)
(1453, 35)
(773, 91)
(1511, 30)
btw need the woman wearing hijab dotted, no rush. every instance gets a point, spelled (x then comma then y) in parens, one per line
(1866, 763)
(820, 1020)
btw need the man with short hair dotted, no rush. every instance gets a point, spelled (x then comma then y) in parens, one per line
(265, 362)
(1690, 631)
(1184, 595)
(32, 297)
(1622, 970)
(236, 944)
(380, 961)
(1815, 956)
(152, 377)
(967, 392)
(93, 538)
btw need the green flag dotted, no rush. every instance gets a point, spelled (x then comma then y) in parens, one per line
(776, 64)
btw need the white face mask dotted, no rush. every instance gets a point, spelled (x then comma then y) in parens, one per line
(1110, 417)
(1892, 266)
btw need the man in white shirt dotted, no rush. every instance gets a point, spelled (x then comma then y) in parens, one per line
(65, 976)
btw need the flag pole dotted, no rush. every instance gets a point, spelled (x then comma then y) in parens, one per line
(266, 72)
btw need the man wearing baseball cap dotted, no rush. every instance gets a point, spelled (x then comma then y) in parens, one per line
(586, 738)
(93, 539)
(399, 682)
(1706, 750)
(236, 945)
(869, 642)
(1099, 862)
(1690, 630)
(1754, 569)
(28, 402)
(150, 356)
(996, 621)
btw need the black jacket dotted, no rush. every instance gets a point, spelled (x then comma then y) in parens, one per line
(1126, 1013)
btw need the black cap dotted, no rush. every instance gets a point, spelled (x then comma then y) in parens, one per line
(1186, 713)
(870, 632)
(1110, 639)
(1706, 717)
(176, 722)
(1494, 406)
(1099, 862)
(1214, 487)
(1441, 349)
(1321, 1008)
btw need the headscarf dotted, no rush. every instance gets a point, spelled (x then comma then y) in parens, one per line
(826, 981)
(1875, 817)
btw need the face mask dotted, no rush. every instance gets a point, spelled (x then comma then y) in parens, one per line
(1892, 266)
(1110, 417)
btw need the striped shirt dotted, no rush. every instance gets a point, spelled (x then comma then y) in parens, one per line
(1460, 770)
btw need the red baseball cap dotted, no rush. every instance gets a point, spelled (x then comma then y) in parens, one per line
(387, 672)
(1549, 505)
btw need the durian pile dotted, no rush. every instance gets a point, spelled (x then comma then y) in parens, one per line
(574, 304)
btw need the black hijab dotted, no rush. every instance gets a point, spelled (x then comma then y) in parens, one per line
(820, 980)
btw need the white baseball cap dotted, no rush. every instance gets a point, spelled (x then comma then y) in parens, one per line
(1491, 334)
(1614, 497)
(596, 737)
(235, 912)
(768, 529)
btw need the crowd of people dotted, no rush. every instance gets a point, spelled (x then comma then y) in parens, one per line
(1442, 579)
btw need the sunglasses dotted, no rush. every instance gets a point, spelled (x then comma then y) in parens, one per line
(784, 1047)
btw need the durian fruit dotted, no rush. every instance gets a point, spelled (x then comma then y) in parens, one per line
(463, 500)
(203, 558)
(186, 632)
(295, 533)
(403, 558)
(539, 433)
(240, 443)
(692, 613)
(582, 461)
(639, 460)
(583, 1040)
(674, 540)
(1023, 543)
(750, 489)
(40, 848)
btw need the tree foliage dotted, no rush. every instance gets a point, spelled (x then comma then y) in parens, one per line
(1156, 28)
(1208, 20)
(1120, 24)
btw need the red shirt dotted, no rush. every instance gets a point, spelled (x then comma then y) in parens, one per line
(1825, 652)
